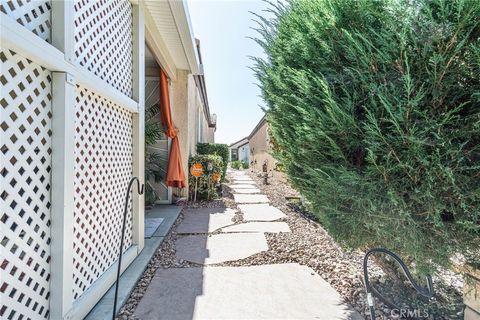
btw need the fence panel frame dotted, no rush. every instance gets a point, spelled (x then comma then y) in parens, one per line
(58, 57)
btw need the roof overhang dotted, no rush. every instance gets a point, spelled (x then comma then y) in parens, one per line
(168, 31)
(258, 126)
(239, 143)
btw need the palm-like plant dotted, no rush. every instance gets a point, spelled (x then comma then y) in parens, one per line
(153, 172)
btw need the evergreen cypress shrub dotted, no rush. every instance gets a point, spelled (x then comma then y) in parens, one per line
(219, 149)
(375, 109)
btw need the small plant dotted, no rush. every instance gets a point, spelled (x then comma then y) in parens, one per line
(237, 164)
(207, 183)
(219, 149)
(153, 161)
(245, 164)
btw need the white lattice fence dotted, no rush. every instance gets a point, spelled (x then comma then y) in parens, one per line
(25, 133)
(103, 40)
(103, 168)
(33, 15)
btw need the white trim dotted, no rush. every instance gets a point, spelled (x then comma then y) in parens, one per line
(85, 303)
(181, 16)
(63, 160)
(158, 47)
(62, 28)
(28, 45)
(138, 216)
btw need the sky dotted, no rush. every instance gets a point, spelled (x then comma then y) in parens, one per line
(223, 28)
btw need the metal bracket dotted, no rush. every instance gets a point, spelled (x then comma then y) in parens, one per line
(70, 79)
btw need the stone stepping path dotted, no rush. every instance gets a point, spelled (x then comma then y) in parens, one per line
(271, 227)
(209, 236)
(279, 291)
(205, 220)
(250, 198)
(243, 186)
(218, 248)
(260, 212)
(243, 179)
(251, 183)
(246, 190)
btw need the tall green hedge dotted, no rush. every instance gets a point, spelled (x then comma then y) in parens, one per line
(375, 106)
(219, 149)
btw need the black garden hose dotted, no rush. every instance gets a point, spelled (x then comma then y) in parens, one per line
(426, 292)
(140, 191)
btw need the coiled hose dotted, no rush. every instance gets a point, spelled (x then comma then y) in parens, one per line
(426, 292)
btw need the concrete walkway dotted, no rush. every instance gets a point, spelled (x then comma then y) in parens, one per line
(209, 237)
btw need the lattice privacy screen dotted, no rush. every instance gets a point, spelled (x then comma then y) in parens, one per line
(25, 134)
(103, 168)
(33, 15)
(103, 40)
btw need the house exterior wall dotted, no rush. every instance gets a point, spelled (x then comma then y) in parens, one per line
(260, 152)
(211, 135)
(181, 115)
(244, 153)
(193, 116)
(199, 130)
(260, 149)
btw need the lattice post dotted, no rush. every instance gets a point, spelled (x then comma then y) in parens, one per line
(63, 105)
(138, 122)
(62, 28)
(63, 126)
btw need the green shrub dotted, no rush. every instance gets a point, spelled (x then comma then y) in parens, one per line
(206, 187)
(245, 164)
(375, 107)
(237, 164)
(219, 149)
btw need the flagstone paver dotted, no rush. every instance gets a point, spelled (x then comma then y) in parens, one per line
(217, 248)
(271, 227)
(260, 212)
(250, 198)
(204, 220)
(280, 291)
(246, 178)
(243, 186)
(245, 182)
(247, 191)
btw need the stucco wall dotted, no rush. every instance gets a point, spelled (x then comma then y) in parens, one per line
(188, 117)
(261, 152)
(193, 115)
(180, 115)
(211, 135)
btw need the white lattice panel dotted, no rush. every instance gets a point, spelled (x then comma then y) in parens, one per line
(25, 193)
(103, 168)
(33, 15)
(103, 40)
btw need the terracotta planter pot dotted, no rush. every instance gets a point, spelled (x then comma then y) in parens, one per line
(471, 293)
